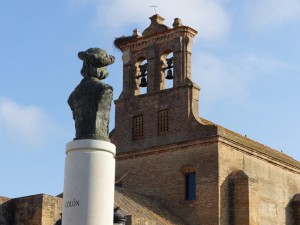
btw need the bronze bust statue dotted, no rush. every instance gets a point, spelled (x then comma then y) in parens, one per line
(91, 100)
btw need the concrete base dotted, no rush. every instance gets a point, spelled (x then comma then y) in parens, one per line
(89, 183)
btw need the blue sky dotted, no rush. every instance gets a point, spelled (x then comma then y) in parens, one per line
(245, 59)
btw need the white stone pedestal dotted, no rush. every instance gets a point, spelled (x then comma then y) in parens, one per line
(88, 197)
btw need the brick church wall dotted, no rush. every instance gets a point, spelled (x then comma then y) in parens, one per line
(156, 173)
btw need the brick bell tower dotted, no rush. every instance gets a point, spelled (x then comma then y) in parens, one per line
(159, 101)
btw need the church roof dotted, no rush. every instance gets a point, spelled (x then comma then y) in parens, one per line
(144, 209)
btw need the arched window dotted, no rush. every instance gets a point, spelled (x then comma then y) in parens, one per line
(141, 76)
(167, 62)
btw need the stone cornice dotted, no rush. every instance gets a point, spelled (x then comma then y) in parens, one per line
(180, 146)
(142, 42)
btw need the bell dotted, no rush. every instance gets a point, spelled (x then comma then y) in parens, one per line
(169, 75)
(143, 82)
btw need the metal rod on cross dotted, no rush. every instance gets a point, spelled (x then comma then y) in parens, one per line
(154, 6)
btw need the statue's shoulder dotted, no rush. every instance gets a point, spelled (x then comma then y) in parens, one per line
(88, 89)
(103, 86)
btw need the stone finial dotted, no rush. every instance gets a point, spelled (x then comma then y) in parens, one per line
(136, 33)
(91, 100)
(177, 23)
(155, 26)
(157, 19)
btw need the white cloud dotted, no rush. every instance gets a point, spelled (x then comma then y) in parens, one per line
(220, 79)
(208, 17)
(260, 63)
(27, 125)
(230, 79)
(265, 14)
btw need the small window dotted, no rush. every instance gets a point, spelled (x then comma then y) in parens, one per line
(190, 186)
(138, 127)
(163, 122)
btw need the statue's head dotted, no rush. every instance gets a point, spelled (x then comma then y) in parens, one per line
(95, 62)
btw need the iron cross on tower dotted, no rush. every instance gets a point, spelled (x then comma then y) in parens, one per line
(154, 6)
